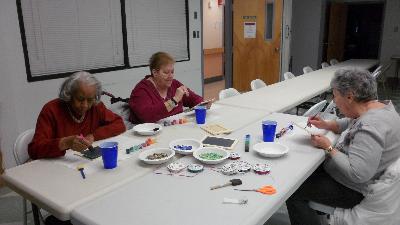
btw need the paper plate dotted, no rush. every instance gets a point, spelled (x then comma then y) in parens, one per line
(198, 154)
(147, 128)
(143, 156)
(271, 149)
(195, 144)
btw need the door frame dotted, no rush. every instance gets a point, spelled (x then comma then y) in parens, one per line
(228, 43)
(228, 40)
(286, 37)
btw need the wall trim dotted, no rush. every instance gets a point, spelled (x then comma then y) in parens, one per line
(211, 51)
(213, 79)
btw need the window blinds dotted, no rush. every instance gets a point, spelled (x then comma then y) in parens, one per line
(156, 25)
(64, 36)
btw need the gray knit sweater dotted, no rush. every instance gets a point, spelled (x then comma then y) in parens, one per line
(367, 146)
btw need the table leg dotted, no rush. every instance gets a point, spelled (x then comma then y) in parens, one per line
(35, 212)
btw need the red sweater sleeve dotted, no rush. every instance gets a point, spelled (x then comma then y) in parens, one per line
(44, 143)
(145, 107)
(110, 123)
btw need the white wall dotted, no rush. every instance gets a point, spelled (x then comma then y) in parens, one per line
(212, 24)
(21, 102)
(307, 19)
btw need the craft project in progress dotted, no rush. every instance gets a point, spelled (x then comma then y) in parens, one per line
(226, 143)
(216, 129)
(203, 103)
(299, 126)
(92, 153)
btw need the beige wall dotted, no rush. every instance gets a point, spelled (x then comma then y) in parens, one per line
(212, 24)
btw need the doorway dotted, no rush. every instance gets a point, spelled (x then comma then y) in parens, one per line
(213, 47)
(353, 30)
(256, 41)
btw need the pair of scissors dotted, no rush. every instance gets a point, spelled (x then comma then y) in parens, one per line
(266, 190)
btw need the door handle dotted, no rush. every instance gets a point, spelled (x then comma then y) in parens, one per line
(276, 49)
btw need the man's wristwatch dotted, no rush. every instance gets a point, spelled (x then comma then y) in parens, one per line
(329, 149)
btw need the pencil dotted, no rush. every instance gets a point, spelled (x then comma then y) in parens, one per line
(313, 117)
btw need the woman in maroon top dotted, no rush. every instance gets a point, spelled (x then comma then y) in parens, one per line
(159, 95)
(78, 111)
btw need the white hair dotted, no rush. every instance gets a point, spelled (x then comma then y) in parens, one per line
(71, 84)
(359, 82)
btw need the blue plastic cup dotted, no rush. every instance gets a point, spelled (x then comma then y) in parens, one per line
(109, 153)
(201, 112)
(269, 129)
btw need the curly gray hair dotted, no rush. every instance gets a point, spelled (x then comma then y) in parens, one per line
(71, 84)
(358, 82)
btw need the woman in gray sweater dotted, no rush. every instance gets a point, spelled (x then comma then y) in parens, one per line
(369, 142)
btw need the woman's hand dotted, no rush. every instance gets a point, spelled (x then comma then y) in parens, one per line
(76, 143)
(320, 141)
(209, 104)
(79, 144)
(89, 139)
(317, 122)
(182, 90)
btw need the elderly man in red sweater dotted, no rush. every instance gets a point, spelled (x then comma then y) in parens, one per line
(159, 95)
(78, 111)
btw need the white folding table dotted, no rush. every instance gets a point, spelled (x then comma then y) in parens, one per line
(284, 95)
(58, 189)
(170, 200)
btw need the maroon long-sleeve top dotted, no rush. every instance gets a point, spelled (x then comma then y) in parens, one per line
(55, 122)
(147, 106)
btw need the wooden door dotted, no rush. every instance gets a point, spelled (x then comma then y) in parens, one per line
(256, 52)
(337, 31)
